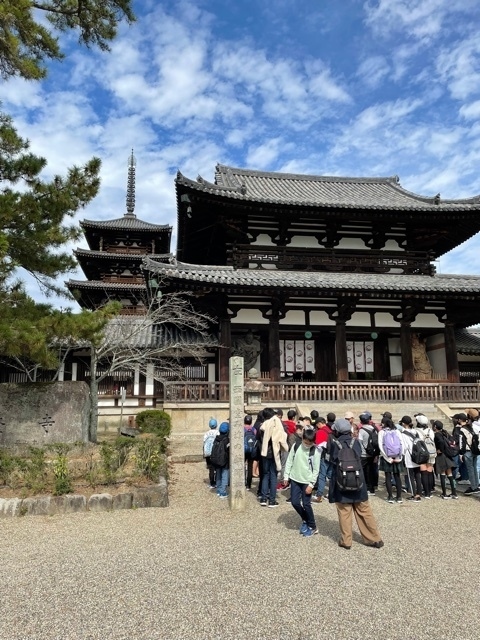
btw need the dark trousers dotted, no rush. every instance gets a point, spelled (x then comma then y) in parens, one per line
(368, 466)
(269, 479)
(302, 503)
(248, 472)
(415, 481)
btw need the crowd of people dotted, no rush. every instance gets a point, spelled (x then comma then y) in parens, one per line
(304, 454)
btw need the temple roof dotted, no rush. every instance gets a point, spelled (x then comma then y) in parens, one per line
(100, 284)
(468, 342)
(108, 255)
(128, 221)
(275, 278)
(309, 190)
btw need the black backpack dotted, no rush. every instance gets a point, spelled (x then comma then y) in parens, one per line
(451, 445)
(420, 454)
(219, 455)
(474, 447)
(371, 448)
(249, 442)
(349, 468)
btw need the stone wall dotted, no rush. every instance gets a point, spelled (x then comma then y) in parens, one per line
(43, 413)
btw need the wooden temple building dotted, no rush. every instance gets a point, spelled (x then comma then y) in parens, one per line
(325, 278)
(318, 281)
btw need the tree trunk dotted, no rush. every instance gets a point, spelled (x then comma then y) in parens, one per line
(93, 397)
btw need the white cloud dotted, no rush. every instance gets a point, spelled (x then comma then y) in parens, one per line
(470, 111)
(373, 70)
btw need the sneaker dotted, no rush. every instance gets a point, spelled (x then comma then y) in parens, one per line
(263, 502)
(248, 488)
(469, 491)
(222, 496)
(453, 497)
(463, 481)
(445, 497)
(477, 490)
(273, 504)
(317, 499)
(399, 501)
(288, 500)
(309, 532)
(414, 499)
(405, 490)
(428, 497)
(280, 486)
(390, 500)
(371, 493)
(303, 528)
(212, 486)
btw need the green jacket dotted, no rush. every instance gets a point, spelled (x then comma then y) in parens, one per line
(302, 467)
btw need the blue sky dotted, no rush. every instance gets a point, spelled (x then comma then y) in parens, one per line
(328, 87)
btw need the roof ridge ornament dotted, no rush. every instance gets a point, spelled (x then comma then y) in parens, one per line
(131, 186)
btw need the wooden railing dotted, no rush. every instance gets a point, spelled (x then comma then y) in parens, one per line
(287, 392)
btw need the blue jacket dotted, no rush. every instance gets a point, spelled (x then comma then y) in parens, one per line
(334, 493)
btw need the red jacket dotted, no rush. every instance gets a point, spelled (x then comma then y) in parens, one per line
(322, 434)
(290, 425)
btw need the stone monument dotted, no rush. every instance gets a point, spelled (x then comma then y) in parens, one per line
(254, 388)
(237, 453)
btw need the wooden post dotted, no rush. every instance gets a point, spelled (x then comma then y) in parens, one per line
(224, 350)
(341, 350)
(453, 371)
(406, 350)
(274, 349)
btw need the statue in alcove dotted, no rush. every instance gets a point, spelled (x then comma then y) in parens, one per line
(249, 348)
(421, 363)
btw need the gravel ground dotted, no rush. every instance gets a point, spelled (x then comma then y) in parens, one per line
(197, 571)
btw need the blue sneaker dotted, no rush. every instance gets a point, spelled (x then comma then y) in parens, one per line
(303, 528)
(223, 495)
(310, 532)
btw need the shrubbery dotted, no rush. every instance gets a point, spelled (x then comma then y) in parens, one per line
(155, 421)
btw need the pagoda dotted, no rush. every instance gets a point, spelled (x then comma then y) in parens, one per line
(112, 263)
(324, 278)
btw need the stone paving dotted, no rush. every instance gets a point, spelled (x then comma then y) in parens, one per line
(195, 570)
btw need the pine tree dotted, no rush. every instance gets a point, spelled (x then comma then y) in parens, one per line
(36, 216)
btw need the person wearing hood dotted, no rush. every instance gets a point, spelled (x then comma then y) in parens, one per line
(273, 440)
(350, 501)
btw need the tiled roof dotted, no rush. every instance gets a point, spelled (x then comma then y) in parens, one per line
(334, 191)
(274, 278)
(468, 342)
(107, 255)
(130, 222)
(143, 333)
(100, 284)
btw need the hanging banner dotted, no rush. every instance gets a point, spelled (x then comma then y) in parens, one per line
(359, 355)
(299, 355)
(369, 360)
(310, 355)
(350, 357)
(289, 356)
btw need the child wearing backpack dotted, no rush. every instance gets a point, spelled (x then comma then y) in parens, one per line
(409, 437)
(348, 489)
(368, 438)
(301, 471)
(391, 459)
(220, 458)
(208, 440)
(250, 449)
(426, 469)
(445, 444)
(469, 451)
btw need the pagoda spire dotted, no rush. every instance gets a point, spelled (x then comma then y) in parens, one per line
(131, 186)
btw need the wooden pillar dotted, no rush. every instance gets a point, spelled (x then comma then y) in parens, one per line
(341, 350)
(274, 349)
(453, 371)
(406, 351)
(224, 351)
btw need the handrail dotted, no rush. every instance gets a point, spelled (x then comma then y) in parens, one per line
(354, 391)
